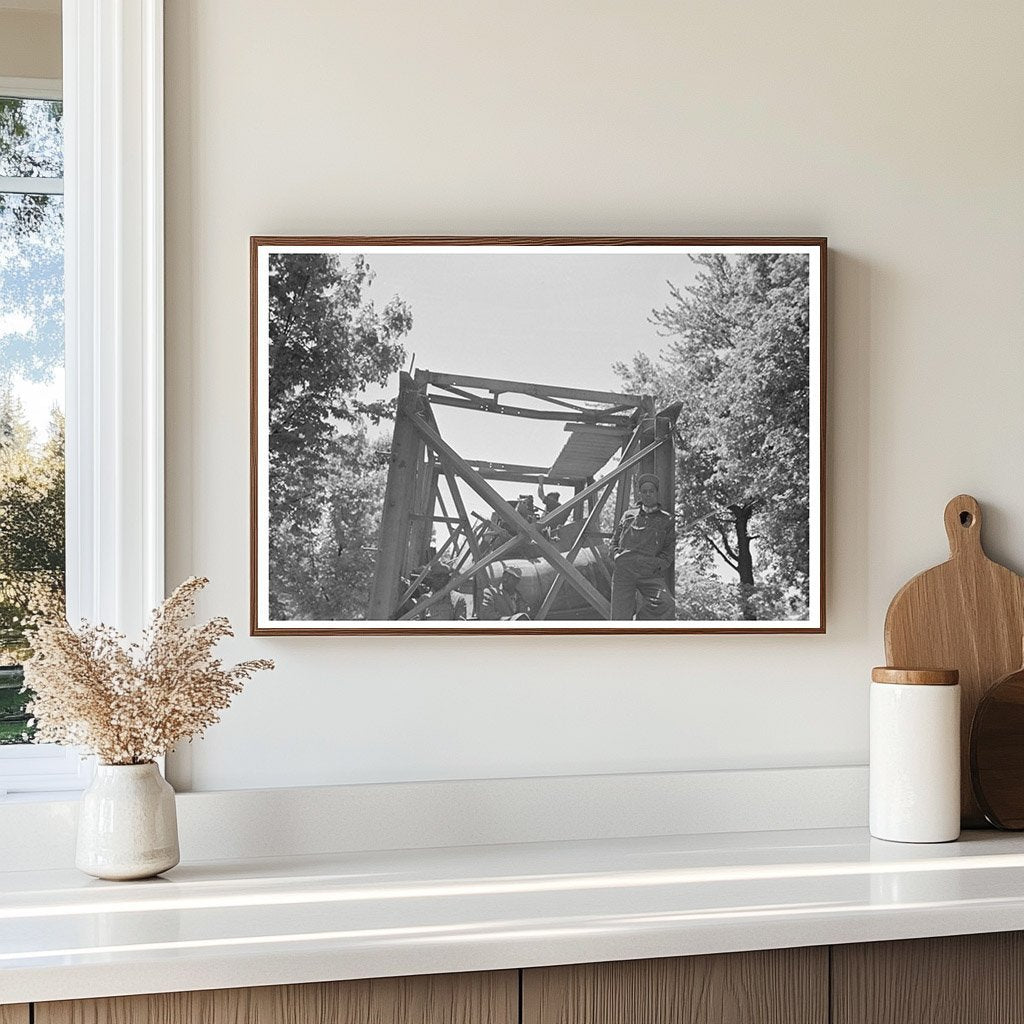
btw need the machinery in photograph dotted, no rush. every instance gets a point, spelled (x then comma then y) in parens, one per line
(557, 552)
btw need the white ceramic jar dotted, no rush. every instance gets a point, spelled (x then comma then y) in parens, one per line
(127, 823)
(915, 755)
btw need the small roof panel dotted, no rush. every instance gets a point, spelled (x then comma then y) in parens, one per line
(588, 448)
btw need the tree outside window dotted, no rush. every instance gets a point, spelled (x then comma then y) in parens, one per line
(31, 386)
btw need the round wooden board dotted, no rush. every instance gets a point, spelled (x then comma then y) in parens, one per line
(997, 752)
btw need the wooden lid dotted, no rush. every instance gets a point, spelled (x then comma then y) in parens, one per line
(916, 676)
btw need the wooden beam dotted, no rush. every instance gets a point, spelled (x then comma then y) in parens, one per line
(622, 492)
(568, 405)
(464, 576)
(509, 545)
(425, 570)
(602, 563)
(530, 414)
(399, 494)
(623, 467)
(649, 422)
(421, 526)
(460, 505)
(450, 521)
(464, 394)
(508, 467)
(522, 478)
(517, 387)
(575, 578)
(596, 428)
(478, 531)
(556, 585)
(665, 461)
(519, 474)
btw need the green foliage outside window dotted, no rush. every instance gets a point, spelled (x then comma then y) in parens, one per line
(32, 545)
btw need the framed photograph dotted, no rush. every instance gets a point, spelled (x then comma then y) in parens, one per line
(537, 435)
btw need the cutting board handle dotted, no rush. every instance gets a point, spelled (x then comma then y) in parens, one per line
(963, 526)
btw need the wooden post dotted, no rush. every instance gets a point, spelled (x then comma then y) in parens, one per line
(403, 470)
(649, 423)
(422, 528)
(665, 459)
(624, 491)
(666, 470)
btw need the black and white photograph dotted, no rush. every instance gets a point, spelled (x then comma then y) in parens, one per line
(537, 435)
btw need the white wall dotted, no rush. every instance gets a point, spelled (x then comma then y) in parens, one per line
(895, 129)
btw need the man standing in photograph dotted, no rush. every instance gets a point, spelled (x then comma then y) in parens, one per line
(643, 548)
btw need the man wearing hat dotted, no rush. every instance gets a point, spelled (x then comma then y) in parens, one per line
(504, 601)
(643, 549)
(552, 500)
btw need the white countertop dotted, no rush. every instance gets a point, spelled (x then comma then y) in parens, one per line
(226, 924)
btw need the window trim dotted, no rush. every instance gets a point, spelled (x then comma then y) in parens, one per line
(43, 768)
(32, 88)
(114, 347)
(113, 169)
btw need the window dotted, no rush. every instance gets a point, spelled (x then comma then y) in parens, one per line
(113, 330)
(32, 532)
(31, 382)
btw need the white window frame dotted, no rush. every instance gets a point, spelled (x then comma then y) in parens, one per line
(32, 88)
(114, 265)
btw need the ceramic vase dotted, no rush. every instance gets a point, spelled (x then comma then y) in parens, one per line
(127, 825)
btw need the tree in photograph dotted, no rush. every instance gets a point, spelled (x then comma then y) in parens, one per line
(738, 360)
(329, 346)
(325, 572)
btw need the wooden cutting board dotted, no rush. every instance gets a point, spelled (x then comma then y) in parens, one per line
(967, 614)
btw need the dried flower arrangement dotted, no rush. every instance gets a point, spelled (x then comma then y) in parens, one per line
(130, 703)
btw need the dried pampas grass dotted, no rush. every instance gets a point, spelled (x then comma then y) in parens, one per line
(130, 703)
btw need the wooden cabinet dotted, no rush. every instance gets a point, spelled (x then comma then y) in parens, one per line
(967, 979)
(491, 998)
(777, 986)
(962, 979)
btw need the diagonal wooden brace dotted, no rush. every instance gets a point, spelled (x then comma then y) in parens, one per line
(556, 585)
(554, 557)
(563, 510)
(595, 512)
(503, 549)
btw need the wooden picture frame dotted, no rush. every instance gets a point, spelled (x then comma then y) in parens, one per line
(694, 365)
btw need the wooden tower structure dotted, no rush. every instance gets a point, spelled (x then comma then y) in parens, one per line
(566, 543)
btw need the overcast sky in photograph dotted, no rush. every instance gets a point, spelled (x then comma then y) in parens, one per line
(548, 318)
